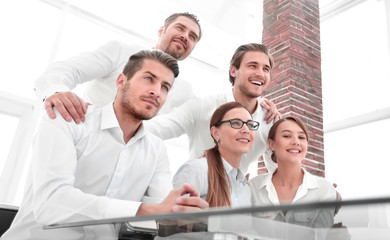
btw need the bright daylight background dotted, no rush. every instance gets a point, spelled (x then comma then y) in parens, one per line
(355, 72)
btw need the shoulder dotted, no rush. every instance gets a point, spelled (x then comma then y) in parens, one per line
(260, 180)
(322, 182)
(115, 44)
(192, 168)
(324, 188)
(197, 165)
(72, 130)
(92, 112)
(194, 172)
(119, 51)
(153, 139)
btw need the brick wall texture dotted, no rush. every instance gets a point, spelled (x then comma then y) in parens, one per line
(291, 31)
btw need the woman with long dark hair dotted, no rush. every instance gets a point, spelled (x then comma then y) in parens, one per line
(217, 175)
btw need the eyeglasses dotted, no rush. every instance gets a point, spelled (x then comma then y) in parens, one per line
(238, 123)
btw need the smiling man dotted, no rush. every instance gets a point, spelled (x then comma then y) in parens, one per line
(249, 74)
(177, 37)
(107, 167)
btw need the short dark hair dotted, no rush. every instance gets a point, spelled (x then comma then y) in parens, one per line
(240, 52)
(174, 16)
(136, 61)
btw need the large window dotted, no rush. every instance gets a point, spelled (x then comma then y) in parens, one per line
(356, 78)
(355, 72)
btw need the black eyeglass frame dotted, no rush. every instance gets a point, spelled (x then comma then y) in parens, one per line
(242, 123)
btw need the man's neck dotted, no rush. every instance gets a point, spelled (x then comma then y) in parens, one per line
(128, 124)
(249, 102)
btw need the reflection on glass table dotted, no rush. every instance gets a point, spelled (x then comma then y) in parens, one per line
(355, 219)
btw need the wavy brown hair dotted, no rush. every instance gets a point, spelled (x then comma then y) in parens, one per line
(219, 189)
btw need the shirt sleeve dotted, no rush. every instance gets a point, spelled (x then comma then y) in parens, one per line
(180, 120)
(325, 218)
(160, 184)
(66, 75)
(194, 172)
(55, 199)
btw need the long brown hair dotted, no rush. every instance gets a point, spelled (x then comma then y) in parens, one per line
(219, 189)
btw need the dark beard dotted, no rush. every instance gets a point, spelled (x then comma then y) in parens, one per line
(129, 109)
(173, 53)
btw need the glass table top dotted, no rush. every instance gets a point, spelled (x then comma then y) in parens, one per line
(347, 219)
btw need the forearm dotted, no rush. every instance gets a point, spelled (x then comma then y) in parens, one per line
(147, 209)
(68, 205)
(66, 75)
(173, 124)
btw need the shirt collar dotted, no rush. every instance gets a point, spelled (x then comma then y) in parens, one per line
(109, 121)
(309, 180)
(267, 181)
(237, 172)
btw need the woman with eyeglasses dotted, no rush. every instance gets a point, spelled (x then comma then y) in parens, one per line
(291, 183)
(217, 175)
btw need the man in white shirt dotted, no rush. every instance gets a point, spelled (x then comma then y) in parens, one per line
(250, 69)
(107, 167)
(178, 37)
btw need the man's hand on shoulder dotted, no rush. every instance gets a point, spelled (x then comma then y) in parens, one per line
(68, 104)
(273, 113)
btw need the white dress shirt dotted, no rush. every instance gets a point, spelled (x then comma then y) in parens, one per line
(312, 189)
(196, 172)
(85, 172)
(100, 69)
(193, 118)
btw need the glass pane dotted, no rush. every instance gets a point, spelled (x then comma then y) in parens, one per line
(8, 128)
(357, 160)
(355, 61)
(26, 43)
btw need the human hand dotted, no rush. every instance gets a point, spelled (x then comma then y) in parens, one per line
(188, 199)
(273, 113)
(338, 195)
(68, 104)
(185, 198)
(338, 198)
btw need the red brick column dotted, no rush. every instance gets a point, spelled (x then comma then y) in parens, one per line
(291, 31)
